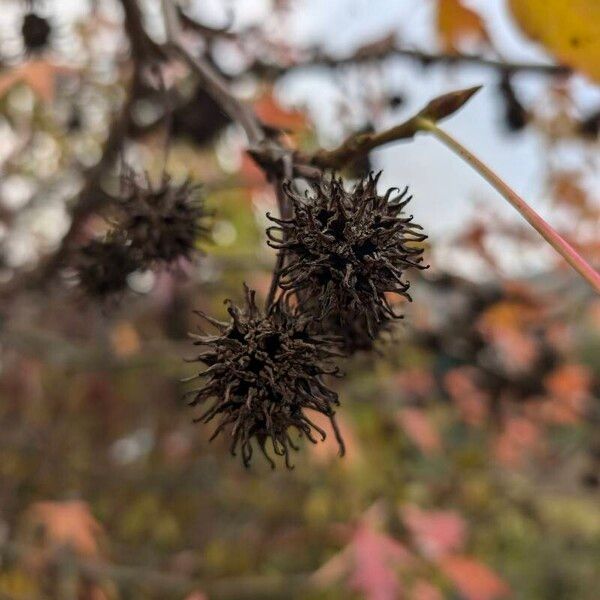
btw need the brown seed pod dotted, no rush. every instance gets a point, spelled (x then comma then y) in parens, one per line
(36, 32)
(346, 251)
(162, 223)
(264, 372)
(102, 266)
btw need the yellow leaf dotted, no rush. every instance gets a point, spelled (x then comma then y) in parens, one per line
(457, 23)
(568, 29)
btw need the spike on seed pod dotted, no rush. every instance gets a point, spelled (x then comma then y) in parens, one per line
(265, 370)
(163, 223)
(346, 251)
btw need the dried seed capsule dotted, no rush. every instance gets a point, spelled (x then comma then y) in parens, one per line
(162, 223)
(347, 250)
(102, 266)
(264, 372)
(36, 32)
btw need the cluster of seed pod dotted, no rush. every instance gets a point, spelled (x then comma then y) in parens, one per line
(345, 253)
(159, 225)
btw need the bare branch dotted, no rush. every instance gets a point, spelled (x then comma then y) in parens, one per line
(212, 81)
(358, 145)
(363, 56)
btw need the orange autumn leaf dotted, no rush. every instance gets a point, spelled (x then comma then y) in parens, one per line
(124, 339)
(518, 438)
(68, 523)
(508, 314)
(505, 326)
(472, 579)
(568, 389)
(569, 381)
(39, 75)
(457, 24)
(272, 113)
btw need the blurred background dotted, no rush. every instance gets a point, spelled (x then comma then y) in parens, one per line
(473, 432)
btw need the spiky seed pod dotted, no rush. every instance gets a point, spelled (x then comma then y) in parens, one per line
(264, 372)
(35, 31)
(102, 266)
(164, 222)
(346, 250)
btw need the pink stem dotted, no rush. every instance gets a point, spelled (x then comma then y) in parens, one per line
(540, 225)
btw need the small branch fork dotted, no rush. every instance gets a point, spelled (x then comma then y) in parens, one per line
(270, 154)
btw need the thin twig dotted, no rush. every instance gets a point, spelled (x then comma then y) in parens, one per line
(358, 145)
(284, 210)
(425, 58)
(263, 148)
(213, 82)
(536, 221)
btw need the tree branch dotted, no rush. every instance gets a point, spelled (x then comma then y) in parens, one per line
(213, 82)
(358, 145)
(366, 55)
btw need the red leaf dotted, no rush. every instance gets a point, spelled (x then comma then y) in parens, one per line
(436, 533)
(68, 523)
(375, 557)
(420, 430)
(471, 401)
(472, 579)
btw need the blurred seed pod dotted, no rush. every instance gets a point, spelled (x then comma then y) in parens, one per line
(36, 32)
(162, 223)
(103, 265)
